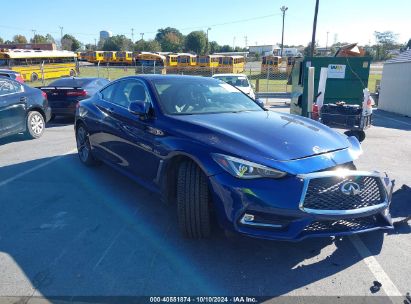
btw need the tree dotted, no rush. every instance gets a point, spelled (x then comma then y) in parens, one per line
(172, 42)
(408, 44)
(19, 39)
(117, 43)
(38, 39)
(147, 46)
(226, 48)
(214, 47)
(385, 41)
(307, 49)
(196, 42)
(161, 34)
(1, 40)
(90, 47)
(50, 39)
(69, 43)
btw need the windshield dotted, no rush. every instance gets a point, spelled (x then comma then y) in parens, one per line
(201, 96)
(238, 81)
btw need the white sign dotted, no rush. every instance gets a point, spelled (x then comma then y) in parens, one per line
(336, 71)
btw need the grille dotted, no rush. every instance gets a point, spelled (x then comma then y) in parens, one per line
(344, 225)
(325, 193)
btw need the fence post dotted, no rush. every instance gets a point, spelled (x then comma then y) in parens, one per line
(98, 69)
(42, 72)
(154, 66)
(108, 72)
(268, 77)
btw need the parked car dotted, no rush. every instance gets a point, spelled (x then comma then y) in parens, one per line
(214, 151)
(22, 109)
(12, 74)
(240, 81)
(64, 93)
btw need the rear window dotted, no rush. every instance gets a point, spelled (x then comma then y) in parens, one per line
(70, 82)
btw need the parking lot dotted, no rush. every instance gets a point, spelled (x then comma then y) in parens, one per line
(66, 229)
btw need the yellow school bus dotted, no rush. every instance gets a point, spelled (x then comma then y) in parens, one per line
(123, 57)
(271, 64)
(171, 60)
(209, 61)
(231, 64)
(185, 60)
(109, 57)
(96, 56)
(149, 59)
(36, 64)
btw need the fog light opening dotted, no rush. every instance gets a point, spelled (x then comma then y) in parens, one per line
(249, 220)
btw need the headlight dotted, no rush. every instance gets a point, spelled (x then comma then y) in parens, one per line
(244, 169)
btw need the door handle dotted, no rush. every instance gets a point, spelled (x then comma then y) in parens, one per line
(110, 110)
(24, 99)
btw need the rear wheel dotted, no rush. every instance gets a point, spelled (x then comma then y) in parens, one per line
(34, 125)
(83, 146)
(34, 77)
(193, 208)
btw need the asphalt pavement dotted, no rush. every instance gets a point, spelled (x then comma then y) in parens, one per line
(70, 230)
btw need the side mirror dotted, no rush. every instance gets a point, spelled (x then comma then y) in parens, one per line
(260, 102)
(253, 86)
(138, 107)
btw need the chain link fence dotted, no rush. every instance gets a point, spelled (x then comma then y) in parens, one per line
(272, 80)
(268, 80)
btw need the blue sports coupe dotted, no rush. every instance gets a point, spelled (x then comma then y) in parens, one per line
(217, 154)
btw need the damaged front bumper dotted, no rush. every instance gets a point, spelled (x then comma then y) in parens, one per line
(320, 204)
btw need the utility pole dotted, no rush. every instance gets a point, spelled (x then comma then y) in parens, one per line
(61, 37)
(142, 36)
(246, 41)
(233, 43)
(317, 3)
(208, 45)
(283, 9)
(326, 43)
(95, 44)
(132, 35)
(34, 35)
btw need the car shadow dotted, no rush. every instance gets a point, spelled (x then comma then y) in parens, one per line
(93, 232)
(60, 121)
(13, 138)
(401, 210)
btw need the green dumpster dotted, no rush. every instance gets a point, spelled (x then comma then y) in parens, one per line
(347, 77)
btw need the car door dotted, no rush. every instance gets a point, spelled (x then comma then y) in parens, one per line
(129, 140)
(12, 107)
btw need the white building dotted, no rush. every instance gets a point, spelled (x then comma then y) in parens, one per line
(395, 88)
(263, 49)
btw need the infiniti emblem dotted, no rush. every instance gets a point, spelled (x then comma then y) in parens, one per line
(350, 188)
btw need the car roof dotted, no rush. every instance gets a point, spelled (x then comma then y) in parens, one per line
(149, 77)
(8, 71)
(230, 74)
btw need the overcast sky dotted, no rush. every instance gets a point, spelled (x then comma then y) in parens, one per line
(230, 20)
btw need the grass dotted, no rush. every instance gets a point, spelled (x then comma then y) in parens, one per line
(271, 85)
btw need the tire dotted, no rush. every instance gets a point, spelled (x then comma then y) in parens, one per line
(34, 77)
(35, 125)
(83, 146)
(193, 210)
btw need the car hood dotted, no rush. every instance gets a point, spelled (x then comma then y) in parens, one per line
(272, 135)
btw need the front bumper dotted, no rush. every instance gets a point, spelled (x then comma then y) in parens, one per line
(276, 209)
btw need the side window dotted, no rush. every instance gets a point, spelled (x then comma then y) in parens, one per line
(7, 87)
(107, 93)
(129, 90)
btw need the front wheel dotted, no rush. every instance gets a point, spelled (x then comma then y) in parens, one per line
(83, 146)
(34, 125)
(193, 208)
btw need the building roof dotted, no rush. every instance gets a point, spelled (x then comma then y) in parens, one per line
(403, 57)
